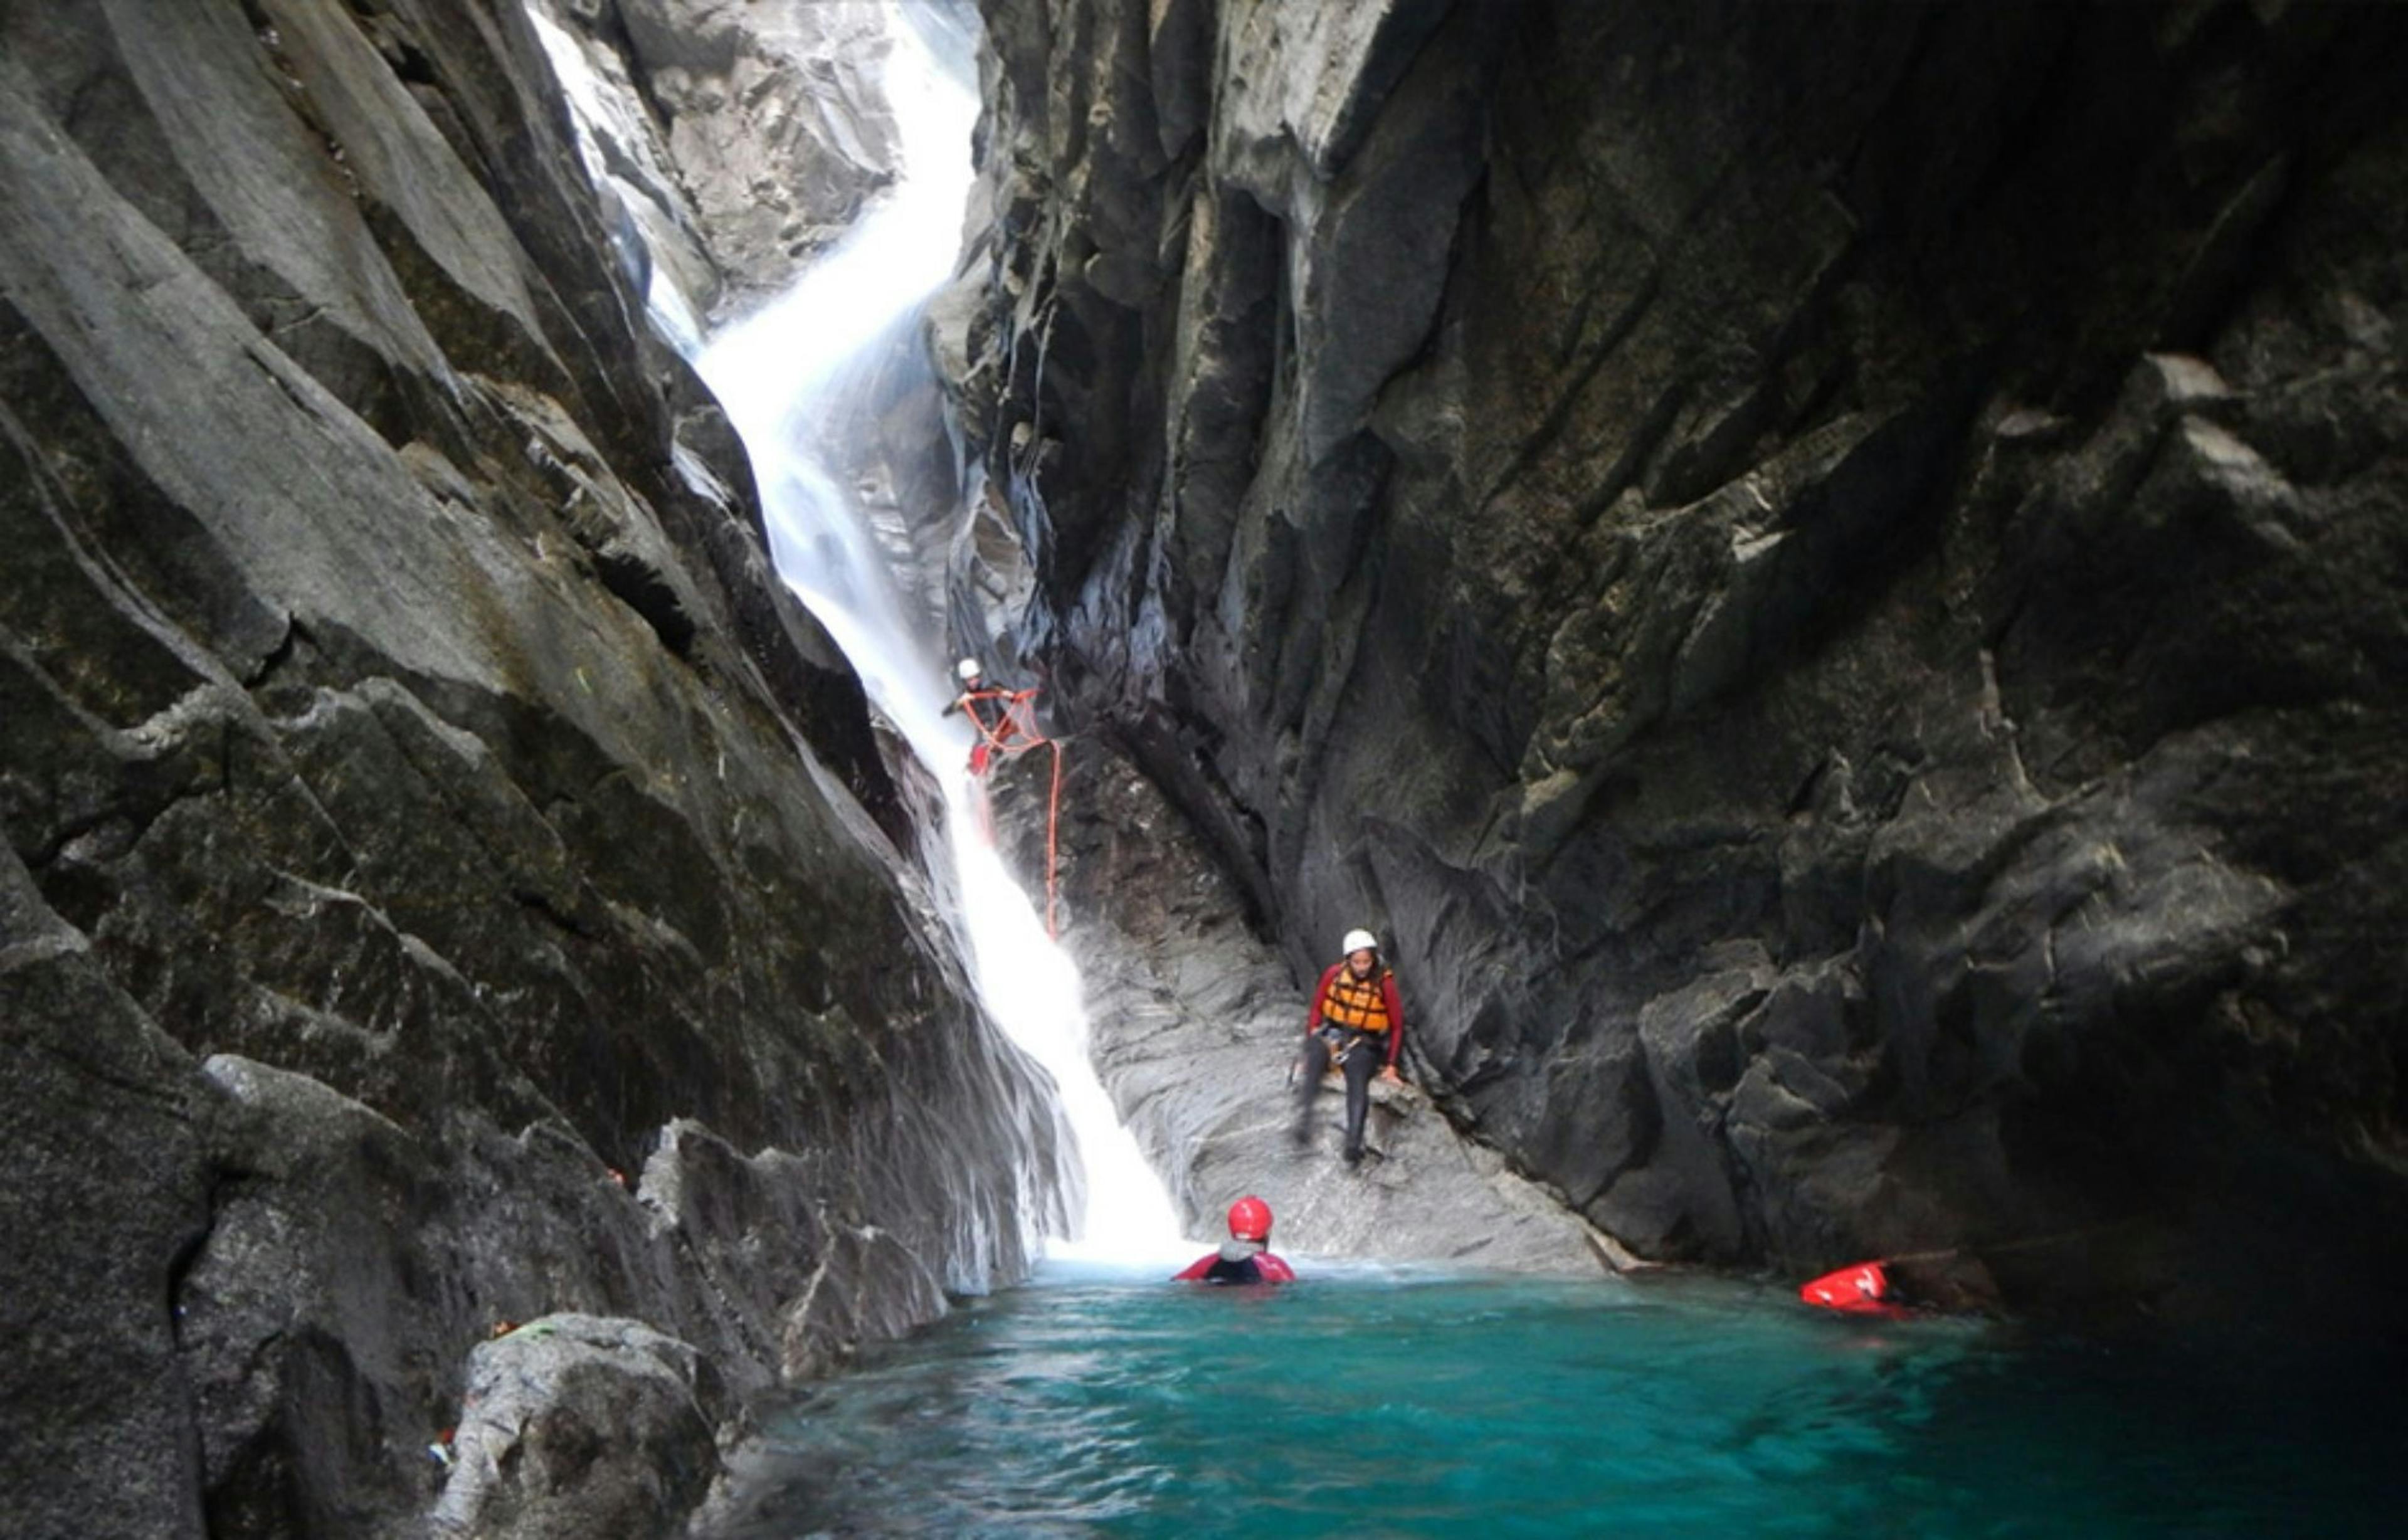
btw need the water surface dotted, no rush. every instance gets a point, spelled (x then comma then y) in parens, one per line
(1367, 1402)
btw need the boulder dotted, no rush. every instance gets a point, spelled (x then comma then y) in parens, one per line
(581, 1425)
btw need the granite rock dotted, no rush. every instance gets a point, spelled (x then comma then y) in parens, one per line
(1196, 1031)
(743, 137)
(579, 1425)
(448, 880)
(1826, 575)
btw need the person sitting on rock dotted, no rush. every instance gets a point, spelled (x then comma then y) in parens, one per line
(1245, 1257)
(1357, 1023)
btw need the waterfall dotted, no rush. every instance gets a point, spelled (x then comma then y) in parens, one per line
(781, 374)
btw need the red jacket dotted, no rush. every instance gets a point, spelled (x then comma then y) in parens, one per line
(1387, 995)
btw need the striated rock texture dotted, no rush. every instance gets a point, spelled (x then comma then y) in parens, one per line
(444, 879)
(739, 138)
(1830, 575)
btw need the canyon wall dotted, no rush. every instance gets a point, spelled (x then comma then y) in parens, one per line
(1828, 575)
(447, 881)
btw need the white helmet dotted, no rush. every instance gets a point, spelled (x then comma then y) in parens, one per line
(968, 669)
(1359, 941)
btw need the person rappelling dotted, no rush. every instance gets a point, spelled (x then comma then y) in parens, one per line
(1245, 1257)
(973, 682)
(1006, 722)
(1357, 1023)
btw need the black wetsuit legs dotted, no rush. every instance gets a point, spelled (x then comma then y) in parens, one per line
(1360, 1066)
(1307, 1086)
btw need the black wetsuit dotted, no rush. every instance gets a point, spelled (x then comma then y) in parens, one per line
(1238, 1261)
(1223, 1270)
(1360, 1057)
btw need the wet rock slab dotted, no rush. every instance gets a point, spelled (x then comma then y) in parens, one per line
(1197, 1030)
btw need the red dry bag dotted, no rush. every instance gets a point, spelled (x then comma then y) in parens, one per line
(1861, 1290)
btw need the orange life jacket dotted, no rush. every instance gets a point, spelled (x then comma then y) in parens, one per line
(1359, 1003)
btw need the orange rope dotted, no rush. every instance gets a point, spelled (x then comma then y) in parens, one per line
(1053, 823)
(1015, 734)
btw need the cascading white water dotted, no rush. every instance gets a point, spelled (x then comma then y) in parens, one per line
(776, 373)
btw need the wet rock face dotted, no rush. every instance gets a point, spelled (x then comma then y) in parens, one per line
(107, 1190)
(1827, 577)
(444, 881)
(1196, 1029)
(741, 138)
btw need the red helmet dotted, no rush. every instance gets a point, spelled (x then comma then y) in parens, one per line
(1250, 1220)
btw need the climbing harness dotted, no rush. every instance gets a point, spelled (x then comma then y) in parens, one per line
(1342, 1042)
(1005, 720)
(1345, 1042)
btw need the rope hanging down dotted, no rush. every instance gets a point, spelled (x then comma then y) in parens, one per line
(1005, 720)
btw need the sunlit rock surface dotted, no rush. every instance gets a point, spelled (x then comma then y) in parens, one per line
(797, 116)
(1829, 575)
(1197, 1027)
(741, 138)
(446, 881)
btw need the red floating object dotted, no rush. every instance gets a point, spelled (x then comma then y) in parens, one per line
(1861, 1288)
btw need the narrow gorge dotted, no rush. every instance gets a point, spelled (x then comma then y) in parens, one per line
(1830, 575)
(1830, 578)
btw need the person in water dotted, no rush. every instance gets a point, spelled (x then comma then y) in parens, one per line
(1245, 1257)
(1357, 1023)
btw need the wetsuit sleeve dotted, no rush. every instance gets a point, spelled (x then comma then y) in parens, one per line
(1196, 1270)
(1396, 1018)
(1274, 1269)
(1320, 992)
